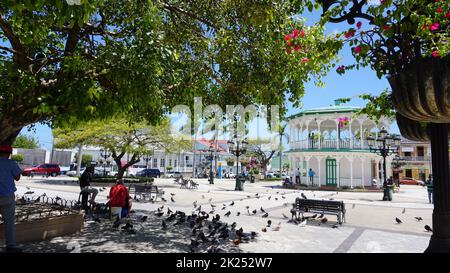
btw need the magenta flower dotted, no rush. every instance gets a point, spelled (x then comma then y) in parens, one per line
(358, 25)
(295, 33)
(357, 49)
(435, 54)
(434, 27)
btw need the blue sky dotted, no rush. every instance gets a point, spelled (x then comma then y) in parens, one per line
(350, 84)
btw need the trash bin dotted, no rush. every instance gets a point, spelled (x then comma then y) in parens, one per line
(240, 183)
(390, 193)
(252, 179)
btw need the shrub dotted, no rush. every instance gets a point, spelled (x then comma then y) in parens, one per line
(17, 157)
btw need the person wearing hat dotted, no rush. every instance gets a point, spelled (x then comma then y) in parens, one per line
(9, 171)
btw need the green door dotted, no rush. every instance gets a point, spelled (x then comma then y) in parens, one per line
(330, 172)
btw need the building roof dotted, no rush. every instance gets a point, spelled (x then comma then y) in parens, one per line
(326, 110)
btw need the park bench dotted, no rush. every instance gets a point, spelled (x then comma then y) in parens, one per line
(193, 184)
(184, 183)
(178, 180)
(140, 190)
(156, 192)
(318, 206)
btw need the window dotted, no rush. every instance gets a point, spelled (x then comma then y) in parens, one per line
(170, 162)
(420, 151)
(187, 158)
(175, 163)
(155, 162)
(408, 173)
(407, 153)
(162, 163)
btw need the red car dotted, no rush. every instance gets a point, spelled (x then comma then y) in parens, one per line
(411, 181)
(43, 169)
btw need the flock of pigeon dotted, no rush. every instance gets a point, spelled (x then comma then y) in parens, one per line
(418, 219)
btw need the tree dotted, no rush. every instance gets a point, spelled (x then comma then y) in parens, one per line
(17, 157)
(86, 160)
(120, 137)
(26, 142)
(62, 63)
(263, 151)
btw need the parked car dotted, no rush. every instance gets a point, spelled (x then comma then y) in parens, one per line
(64, 169)
(149, 173)
(74, 172)
(270, 175)
(43, 169)
(173, 174)
(411, 181)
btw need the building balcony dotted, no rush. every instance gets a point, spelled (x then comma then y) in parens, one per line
(328, 144)
(417, 158)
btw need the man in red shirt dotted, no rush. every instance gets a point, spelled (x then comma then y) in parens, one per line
(119, 200)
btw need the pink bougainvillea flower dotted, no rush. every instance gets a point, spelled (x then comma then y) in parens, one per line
(297, 48)
(435, 54)
(287, 37)
(439, 10)
(357, 49)
(288, 50)
(349, 33)
(386, 28)
(434, 27)
(305, 60)
(358, 25)
(295, 33)
(447, 15)
(302, 33)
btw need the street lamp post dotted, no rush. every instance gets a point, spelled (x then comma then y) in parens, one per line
(237, 148)
(104, 153)
(397, 163)
(210, 157)
(384, 145)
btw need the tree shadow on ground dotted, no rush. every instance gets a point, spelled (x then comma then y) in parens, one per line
(101, 237)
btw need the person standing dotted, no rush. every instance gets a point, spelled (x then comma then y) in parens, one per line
(297, 176)
(9, 171)
(311, 174)
(85, 183)
(429, 184)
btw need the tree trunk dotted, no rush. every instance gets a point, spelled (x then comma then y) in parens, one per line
(8, 135)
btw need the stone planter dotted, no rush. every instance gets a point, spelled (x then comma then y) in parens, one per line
(43, 229)
(421, 91)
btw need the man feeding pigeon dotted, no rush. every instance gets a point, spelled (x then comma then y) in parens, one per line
(119, 200)
(9, 171)
(85, 184)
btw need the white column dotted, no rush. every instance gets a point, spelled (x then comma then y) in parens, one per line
(338, 165)
(320, 176)
(351, 172)
(351, 134)
(307, 169)
(320, 133)
(362, 171)
(307, 133)
(361, 138)
(337, 135)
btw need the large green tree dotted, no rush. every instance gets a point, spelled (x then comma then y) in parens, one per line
(62, 63)
(120, 137)
(26, 142)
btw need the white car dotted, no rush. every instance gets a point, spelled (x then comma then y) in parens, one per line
(270, 175)
(172, 174)
(74, 172)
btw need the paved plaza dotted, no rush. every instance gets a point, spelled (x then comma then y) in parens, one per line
(370, 223)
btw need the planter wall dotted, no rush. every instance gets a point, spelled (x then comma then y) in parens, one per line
(421, 91)
(43, 229)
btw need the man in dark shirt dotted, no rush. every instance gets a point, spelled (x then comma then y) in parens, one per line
(85, 184)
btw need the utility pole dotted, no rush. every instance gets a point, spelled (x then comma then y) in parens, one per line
(80, 148)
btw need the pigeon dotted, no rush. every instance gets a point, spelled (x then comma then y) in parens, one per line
(320, 216)
(211, 212)
(203, 197)
(195, 203)
(248, 196)
(238, 213)
(264, 230)
(127, 226)
(173, 194)
(324, 220)
(284, 216)
(171, 199)
(276, 199)
(233, 225)
(404, 210)
(232, 203)
(37, 200)
(96, 219)
(228, 213)
(100, 189)
(398, 220)
(159, 214)
(265, 215)
(254, 211)
(247, 207)
(28, 188)
(269, 198)
(335, 226)
(163, 199)
(29, 192)
(262, 210)
(303, 223)
(283, 197)
(169, 211)
(253, 234)
(269, 223)
(303, 196)
(144, 218)
(418, 219)
(209, 200)
(314, 216)
(428, 228)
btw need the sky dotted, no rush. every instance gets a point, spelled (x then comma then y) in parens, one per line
(351, 84)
